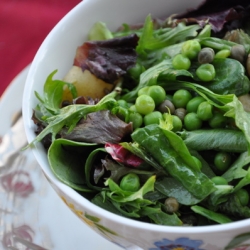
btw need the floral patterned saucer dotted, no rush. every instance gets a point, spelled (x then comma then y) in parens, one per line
(30, 210)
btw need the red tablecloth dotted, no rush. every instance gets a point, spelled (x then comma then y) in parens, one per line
(23, 26)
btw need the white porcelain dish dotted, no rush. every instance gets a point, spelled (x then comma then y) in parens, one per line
(57, 52)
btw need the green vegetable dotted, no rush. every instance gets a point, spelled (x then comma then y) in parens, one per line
(159, 217)
(233, 206)
(222, 161)
(215, 139)
(191, 48)
(152, 118)
(177, 123)
(193, 104)
(218, 120)
(70, 169)
(192, 121)
(217, 217)
(181, 62)
(172, 137)
(144, 104)
(136, 119)
(230, 78)
(157, 93)
(136, 71)
(218, 180)
(181, 97)
(205, 111)
(99, 31)
(152, 138)
(206, 72)
(222, 53)
(243, 196)
(236, 170)
(130, 182)
(171, 187)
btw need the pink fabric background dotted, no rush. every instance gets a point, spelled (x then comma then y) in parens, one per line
(23, 26)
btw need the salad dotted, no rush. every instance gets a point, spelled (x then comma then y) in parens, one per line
(152, 122)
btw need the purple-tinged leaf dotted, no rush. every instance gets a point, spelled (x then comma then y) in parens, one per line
(99, 127)
(108, 59)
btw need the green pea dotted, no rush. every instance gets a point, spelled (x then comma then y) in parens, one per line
(136, 71)
(206, 72)
(205, 111)
(243, 196)
(218, 180)
(133, 108)
(222, 161)
(136, 119)
(191, 48)
(177, 123)
(158, 94)
(143, 91)
(181, 62)
(144, 104)
(152, 118)
(217, 121)
(198, 162)
(122, 113)
(192, 121)
(193, 104)
(123, 103)
(225, 53)
(181, 97)
(130, 182)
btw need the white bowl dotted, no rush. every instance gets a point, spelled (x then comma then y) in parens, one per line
(57, 52)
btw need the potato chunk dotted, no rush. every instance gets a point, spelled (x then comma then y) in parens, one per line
(86, 83)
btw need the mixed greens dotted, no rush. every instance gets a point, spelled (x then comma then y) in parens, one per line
(170, 144)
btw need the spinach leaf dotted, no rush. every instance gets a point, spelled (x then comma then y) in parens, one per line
(179, 146)
(89, 165)
(241, 117)
(230, 77)
(159, 217)
(217, 217)
(220, 195)
(152, 139)
(244, 181)
(233, 207)
(66, 159)
(228, 140)
(106, 204)
(171, 187)
(237, 170)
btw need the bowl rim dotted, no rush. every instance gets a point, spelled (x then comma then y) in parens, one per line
(81, 200)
